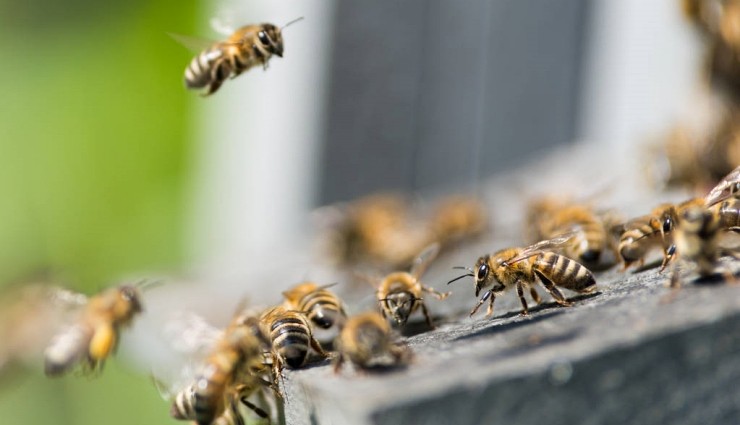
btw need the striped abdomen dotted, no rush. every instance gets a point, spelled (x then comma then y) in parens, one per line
(322, 307)
(216, 375)
(290, 337)
(589, 240)
(729, 213)
(564, 272)
(208, 67)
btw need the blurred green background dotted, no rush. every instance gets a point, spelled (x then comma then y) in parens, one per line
(94, 162)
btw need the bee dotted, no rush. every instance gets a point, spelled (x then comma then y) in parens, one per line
(290, 335)
(520, 267)
(322, 307)
(229, 374)
(457, 218)
(400, 293)
(640, 235)
(366, 341)
(696, 240)
(95, 335)
(247, 47)
(549, 218)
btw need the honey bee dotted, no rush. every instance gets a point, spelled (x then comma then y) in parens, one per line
(366, 341)
(400, 293)
(228, 376)
(653, 230)
(94, 336)
(290, 336)
(322, 307)
(520, 267)
(549, 217)
(457, 218)
(374, 229)
(247, 47)
(696, 240)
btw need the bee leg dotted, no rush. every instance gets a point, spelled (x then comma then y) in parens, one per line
(438, 295)
(668, 254)
(338, 362)
(554, 291)
(484, 298)
(520, 292)
(535, 295)
(256, 409)
(675, 281)
(317, 346)
(427, 316)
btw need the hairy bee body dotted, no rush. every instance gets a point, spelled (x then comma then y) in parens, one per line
(366, 341)
(549, 218)
(248, 46)
(233, 361)
(93, 338)
(291, 338)
(321, 306)
(521, 267)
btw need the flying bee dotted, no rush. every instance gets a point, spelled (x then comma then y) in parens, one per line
(520, 267)
(400, 293)
(549, 217)
(247, 47)
(229, 374)
(290, 336)
(696, 240)
(322, 307)
(95, 335)
(366, 341)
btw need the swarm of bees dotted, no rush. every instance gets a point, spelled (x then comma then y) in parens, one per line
(242, 371)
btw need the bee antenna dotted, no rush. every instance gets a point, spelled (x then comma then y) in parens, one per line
(460, 277)
(291, 23)
(463, 268)
(146, 284)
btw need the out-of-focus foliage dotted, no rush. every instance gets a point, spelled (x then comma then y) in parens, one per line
(93, 162)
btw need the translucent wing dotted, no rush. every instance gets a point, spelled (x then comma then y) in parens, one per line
(191, 335)
(194, 44)
(729, 186)
(535, 249)
(423, 260)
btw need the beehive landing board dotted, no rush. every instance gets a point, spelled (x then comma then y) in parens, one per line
(633, 352)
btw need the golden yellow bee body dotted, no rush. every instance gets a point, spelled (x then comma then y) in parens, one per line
(94, 336)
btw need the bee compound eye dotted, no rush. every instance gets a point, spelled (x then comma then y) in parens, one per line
(263, 37)
(667, 224)
(482, 271)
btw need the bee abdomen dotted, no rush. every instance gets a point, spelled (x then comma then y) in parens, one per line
(183, 408)
(729, 213)
(322, 308)
(290, 338)
(203, 68)
(564, 272)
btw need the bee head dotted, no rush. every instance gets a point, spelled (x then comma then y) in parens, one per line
(483, 274)
(400, 305)
(131, 299)
(271, 39)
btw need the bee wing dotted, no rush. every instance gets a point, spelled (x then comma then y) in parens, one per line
(535, 249)
(190, 335)
(194, 44)
(724, 189)
(423, 260)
